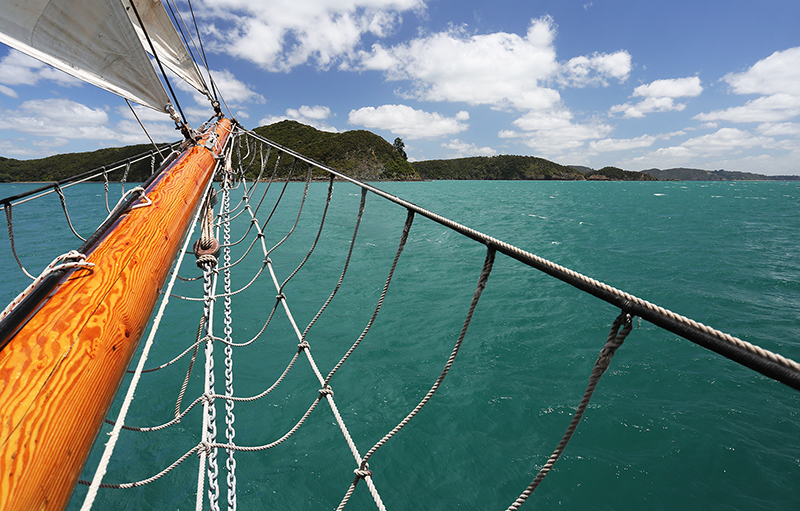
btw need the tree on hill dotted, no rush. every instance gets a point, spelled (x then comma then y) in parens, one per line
(400, 147)
(359, 153)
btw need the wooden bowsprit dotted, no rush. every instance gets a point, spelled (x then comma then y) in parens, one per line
(61, 370)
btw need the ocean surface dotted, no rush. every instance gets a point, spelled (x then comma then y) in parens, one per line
(671, 425)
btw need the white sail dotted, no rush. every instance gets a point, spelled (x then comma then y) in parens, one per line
(165, 39)
(92, 40)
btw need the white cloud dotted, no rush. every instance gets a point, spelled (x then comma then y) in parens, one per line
(310, 112)
(553, 135)
(8, 91)
(311, 115)
(672, 88)
(727, 140)
(776, 74)
(610, 144)
(791, 129)
(659, 96)
(775, 78)
(409, 123)
(281, 34)
(16, 68)
(59, 118)
(236, 92)
(463, 149)
(773, 108)
(500, 69)
(596, 69)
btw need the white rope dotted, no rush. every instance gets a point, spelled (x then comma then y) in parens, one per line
(102, 467)
(54, 266)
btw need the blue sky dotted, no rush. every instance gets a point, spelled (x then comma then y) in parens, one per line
(634, 84)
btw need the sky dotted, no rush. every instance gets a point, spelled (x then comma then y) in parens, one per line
(632, 84)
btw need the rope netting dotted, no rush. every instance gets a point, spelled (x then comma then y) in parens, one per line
(276, 194)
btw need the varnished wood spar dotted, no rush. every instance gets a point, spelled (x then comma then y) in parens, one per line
(59, 374)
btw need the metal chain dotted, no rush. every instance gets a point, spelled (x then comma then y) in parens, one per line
(230, 432)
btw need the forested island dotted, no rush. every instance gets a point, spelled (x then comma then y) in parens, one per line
(368, 157)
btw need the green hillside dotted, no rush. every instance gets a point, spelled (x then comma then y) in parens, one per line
(62, 166)
(616, 174)
(687, 174)
(360, 154)
(495, 167)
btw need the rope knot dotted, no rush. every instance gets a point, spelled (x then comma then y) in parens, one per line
(205, 448)
(280, 297)
(208, 398)
(303, 345)
(326, 391)
(362, 472)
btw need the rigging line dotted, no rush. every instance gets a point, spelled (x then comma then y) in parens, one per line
(316, 240)
(263, 196)
(484, 277)
(202, 50)
(64, 207)
(400, 247)
(189, 369)
(185, 42)
(201, 398)
(11, 240)
(346, 264)
(204, 448)
(114, 435)
(615, 339)
(143, 128)
(158, 61)
(326, 389)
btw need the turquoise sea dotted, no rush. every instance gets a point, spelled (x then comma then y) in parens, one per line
(671, 425)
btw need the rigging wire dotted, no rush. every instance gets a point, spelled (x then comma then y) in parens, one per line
(143, 128)
(176, 15)
(160, 66)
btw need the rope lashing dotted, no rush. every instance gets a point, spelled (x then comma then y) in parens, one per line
(70, 260)
(207, 248)
(64, 207)
(11, 239)
(615, 339)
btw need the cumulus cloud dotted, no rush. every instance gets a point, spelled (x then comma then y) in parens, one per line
(311, 115)
(776, 74)
(659, 96)
(672, 88)
(499, 69)
(775, 78)
(596, 69)
(409, 123)
(461, 149)
(281, 34)
(622, 144)
(59, 118)
(16, 68)
(773, 108)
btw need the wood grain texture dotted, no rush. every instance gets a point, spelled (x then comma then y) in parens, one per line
(59, 375)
